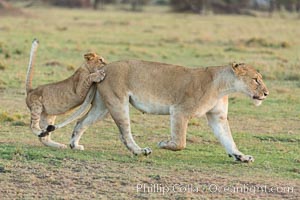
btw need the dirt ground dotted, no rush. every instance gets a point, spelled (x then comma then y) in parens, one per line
(115, 180)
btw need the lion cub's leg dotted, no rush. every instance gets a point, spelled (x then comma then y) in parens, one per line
(178, 133)
(217, 119)
(36, 109)
(120, 113)
(46, 140)
(97, 76)
(84, 87)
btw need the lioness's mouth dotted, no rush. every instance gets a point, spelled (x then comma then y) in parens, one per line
(258, 98)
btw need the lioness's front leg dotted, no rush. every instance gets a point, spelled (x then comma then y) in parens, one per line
(179, 124)
(217, 119)
(97, 112)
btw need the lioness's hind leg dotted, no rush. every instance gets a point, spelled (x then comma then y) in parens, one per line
(178, 133)
(97, 112)
(120, 113)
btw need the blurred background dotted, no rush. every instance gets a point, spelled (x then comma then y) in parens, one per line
(245, 7)
(194, 33)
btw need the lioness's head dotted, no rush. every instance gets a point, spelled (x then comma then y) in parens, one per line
(250, 82)
(94, 62)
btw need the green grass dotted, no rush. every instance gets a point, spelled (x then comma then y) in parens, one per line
(271, 132)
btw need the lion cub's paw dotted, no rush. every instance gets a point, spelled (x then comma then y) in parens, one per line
(77, 147)
(62, 146)
(244, 158)
(100, 75)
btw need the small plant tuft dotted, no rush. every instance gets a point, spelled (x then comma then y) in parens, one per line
(2, 66)
(261, 42)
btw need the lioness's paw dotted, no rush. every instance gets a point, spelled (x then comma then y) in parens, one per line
(171, 145)
(243, 158)
(248, 158)
(146, 151)
(163, 144)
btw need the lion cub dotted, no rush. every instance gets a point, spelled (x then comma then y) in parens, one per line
(47, 101)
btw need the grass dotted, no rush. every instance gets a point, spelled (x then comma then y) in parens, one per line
(106, 169)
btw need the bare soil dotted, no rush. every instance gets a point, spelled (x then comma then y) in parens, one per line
(115, 180)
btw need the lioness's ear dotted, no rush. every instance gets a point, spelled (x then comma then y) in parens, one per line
(234, 65)
(237, 69)
(89, 56)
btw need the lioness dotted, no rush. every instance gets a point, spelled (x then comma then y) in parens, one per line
(47, 101)
(177, 91)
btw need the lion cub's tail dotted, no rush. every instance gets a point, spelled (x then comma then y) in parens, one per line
(29, 76)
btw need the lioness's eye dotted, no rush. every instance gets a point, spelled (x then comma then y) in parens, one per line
(256, 80)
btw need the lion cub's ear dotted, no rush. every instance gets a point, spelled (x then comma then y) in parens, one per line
(90, 56)
(102, 60)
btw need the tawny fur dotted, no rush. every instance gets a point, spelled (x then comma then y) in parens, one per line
(177, 91)
(47, 101)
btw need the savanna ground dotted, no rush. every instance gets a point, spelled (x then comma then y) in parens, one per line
(106, 169)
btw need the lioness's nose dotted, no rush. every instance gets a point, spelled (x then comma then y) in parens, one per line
(266, 93)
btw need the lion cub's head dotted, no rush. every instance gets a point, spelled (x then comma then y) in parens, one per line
(94, 62)
(250, 82)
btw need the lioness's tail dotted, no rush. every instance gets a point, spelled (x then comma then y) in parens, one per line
(83, 109)
(29, 76)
